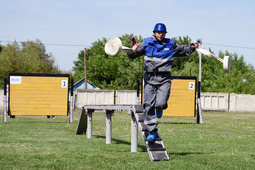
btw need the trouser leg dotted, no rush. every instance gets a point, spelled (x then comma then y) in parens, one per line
(155, 96)
(162, 95)
(150, 119)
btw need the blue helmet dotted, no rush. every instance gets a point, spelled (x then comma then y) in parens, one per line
(160, 27)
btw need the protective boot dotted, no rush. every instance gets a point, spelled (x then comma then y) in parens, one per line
(153, 135)
(159, 113)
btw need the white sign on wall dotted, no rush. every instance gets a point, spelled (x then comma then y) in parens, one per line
(15, 79)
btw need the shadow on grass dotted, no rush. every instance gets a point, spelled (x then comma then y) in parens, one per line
(123, 142)
(185, 153)
(35, 122)
(176, 123)
(39, 119)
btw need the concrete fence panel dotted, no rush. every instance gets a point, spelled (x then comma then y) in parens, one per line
(126, 97)
(93, 97)
(242, 103)
(214, 101)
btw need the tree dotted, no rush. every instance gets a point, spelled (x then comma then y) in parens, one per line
(26, 57)
(120, 72)
(109, 72)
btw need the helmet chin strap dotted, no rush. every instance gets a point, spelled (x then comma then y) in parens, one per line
(154, 36)
(157, 38)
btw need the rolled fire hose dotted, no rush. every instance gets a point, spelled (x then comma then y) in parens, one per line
(114, 46)
(226, 61)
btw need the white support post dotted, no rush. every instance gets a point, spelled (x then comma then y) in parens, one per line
(89, 124)
(200, 119)
(108, 126)
(200, 111)
(134, 133)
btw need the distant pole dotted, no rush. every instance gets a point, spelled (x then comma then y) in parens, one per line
(5, 101)
(85, 69)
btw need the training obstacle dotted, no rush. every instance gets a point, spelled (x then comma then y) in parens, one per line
(156, 151)
(36, 94)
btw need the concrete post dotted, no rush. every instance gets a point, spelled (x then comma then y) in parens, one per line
(89, 124)
(108, 126)
(134, 133)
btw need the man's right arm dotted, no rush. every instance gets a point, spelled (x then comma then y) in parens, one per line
(137, 53)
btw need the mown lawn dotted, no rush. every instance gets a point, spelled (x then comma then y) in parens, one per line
(224, 141)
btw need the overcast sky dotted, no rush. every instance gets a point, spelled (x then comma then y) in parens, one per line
(82, 22)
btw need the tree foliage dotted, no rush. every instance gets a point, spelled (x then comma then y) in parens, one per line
(25, 57)
(109, 72)
(120, 72)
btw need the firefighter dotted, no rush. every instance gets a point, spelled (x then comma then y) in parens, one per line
(158, 60)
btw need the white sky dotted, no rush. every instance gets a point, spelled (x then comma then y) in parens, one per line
(82, 22)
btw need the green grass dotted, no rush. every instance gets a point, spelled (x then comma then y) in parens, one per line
(224, 141)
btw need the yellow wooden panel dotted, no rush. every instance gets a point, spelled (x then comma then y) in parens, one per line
(182, 98)
(181, 102)
(39, 95)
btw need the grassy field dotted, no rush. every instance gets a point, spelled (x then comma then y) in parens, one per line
(224, 141)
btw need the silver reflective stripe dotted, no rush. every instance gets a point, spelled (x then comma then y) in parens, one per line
(152, 121)
(162, 60)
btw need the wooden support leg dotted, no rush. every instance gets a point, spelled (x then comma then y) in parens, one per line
(134, 133)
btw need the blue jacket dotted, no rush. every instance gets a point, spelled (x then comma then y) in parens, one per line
(159, 50)
(158, 56)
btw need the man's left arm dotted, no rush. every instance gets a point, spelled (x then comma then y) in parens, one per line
(184, 50)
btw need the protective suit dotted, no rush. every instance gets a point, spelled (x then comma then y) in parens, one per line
(158, 61)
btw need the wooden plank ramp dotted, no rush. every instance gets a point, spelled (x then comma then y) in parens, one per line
(156, 150)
